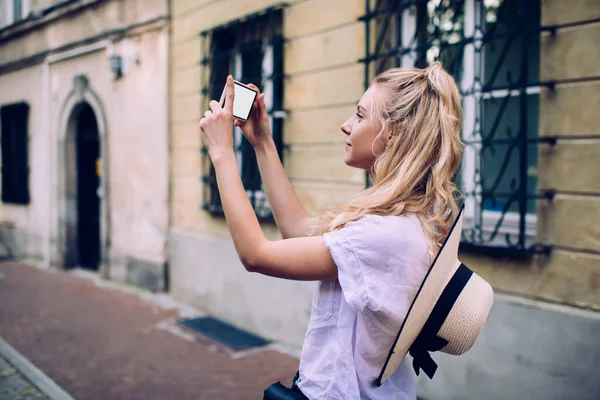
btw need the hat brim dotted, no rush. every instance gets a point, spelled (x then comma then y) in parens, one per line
(440, 272)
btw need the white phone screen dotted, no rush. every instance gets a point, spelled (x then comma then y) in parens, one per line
(243, 100)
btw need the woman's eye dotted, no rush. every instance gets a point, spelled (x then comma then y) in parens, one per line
(359, 116)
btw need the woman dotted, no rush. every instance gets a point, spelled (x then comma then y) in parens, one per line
(371, 256)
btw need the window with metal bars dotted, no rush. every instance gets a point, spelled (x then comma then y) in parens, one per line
(492, 48)
(13, 11)
(17, 10)
(14, 141)
(252, 51)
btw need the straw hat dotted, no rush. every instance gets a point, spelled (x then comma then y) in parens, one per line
(447, 313)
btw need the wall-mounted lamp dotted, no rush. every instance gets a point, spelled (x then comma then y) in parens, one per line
(116, 66)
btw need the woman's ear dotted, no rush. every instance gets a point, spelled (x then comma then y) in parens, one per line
(391, 140)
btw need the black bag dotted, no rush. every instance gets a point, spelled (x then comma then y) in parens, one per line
(279, 392)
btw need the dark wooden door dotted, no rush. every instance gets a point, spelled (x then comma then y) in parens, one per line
(88, 182)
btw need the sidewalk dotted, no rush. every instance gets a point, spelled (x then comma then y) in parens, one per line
(14, 385)
(98, 343)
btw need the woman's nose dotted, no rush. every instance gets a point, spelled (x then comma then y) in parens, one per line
(346, 127)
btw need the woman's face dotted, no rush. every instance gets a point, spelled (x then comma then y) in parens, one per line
(361, 130)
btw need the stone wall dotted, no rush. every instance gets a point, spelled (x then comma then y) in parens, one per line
(324, 82)
(530, 349)
(544, 348)
(571, 221)
(326, 76)
(527, 350)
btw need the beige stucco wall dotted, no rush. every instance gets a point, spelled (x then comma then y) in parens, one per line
(71, 23)
(135, 110)
(571, 221)
(324, 41)
(25, 85)
(530, 349)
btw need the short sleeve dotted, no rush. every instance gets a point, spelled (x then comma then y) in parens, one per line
(350, 274)
(373, 256)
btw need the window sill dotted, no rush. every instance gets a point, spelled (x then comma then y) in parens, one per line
(501, 240)
(217, 211)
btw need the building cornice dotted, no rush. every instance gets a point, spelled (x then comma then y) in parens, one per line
(154, 24)
(44, 17)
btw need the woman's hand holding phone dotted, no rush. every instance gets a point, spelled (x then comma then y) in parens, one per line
(217, 125)
(256, 129)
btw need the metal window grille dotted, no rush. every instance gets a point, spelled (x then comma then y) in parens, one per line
(492, 48)
(252, 51)
(14, 142)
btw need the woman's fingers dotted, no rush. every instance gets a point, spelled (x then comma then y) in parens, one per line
(261, 102)
(214, 106)
(253, 86)
(207, 113)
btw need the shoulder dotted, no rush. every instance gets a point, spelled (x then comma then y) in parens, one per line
(378, 258)
(382, 235)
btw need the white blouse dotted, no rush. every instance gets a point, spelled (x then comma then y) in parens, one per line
(355, 319)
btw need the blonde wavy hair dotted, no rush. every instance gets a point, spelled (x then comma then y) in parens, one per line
(414, 173)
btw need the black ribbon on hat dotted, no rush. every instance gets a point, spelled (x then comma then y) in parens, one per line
(428, 340)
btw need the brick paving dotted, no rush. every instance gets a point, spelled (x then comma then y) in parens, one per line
(14, 386)
(98, 343)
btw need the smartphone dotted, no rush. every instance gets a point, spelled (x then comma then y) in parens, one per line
(243, 100)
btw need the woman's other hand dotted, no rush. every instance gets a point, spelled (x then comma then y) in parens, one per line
(256, 129)
(217, 125)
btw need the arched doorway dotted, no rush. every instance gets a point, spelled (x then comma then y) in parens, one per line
(88, 166)
(82, 197)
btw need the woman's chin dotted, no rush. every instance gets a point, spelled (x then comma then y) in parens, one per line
(348, 160)
(352, 163)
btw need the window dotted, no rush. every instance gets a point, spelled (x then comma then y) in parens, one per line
(252, 51)
(17, 10)
(14, 11)
(14, 142)
(492, 48)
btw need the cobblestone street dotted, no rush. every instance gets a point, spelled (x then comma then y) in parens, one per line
(14, 386)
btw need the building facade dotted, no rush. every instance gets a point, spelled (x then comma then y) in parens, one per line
(303, 55)
(103, 167)
(84, 111)
(529, 74)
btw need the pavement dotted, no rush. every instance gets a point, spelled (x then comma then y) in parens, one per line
(14, 385)
(85, 338)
